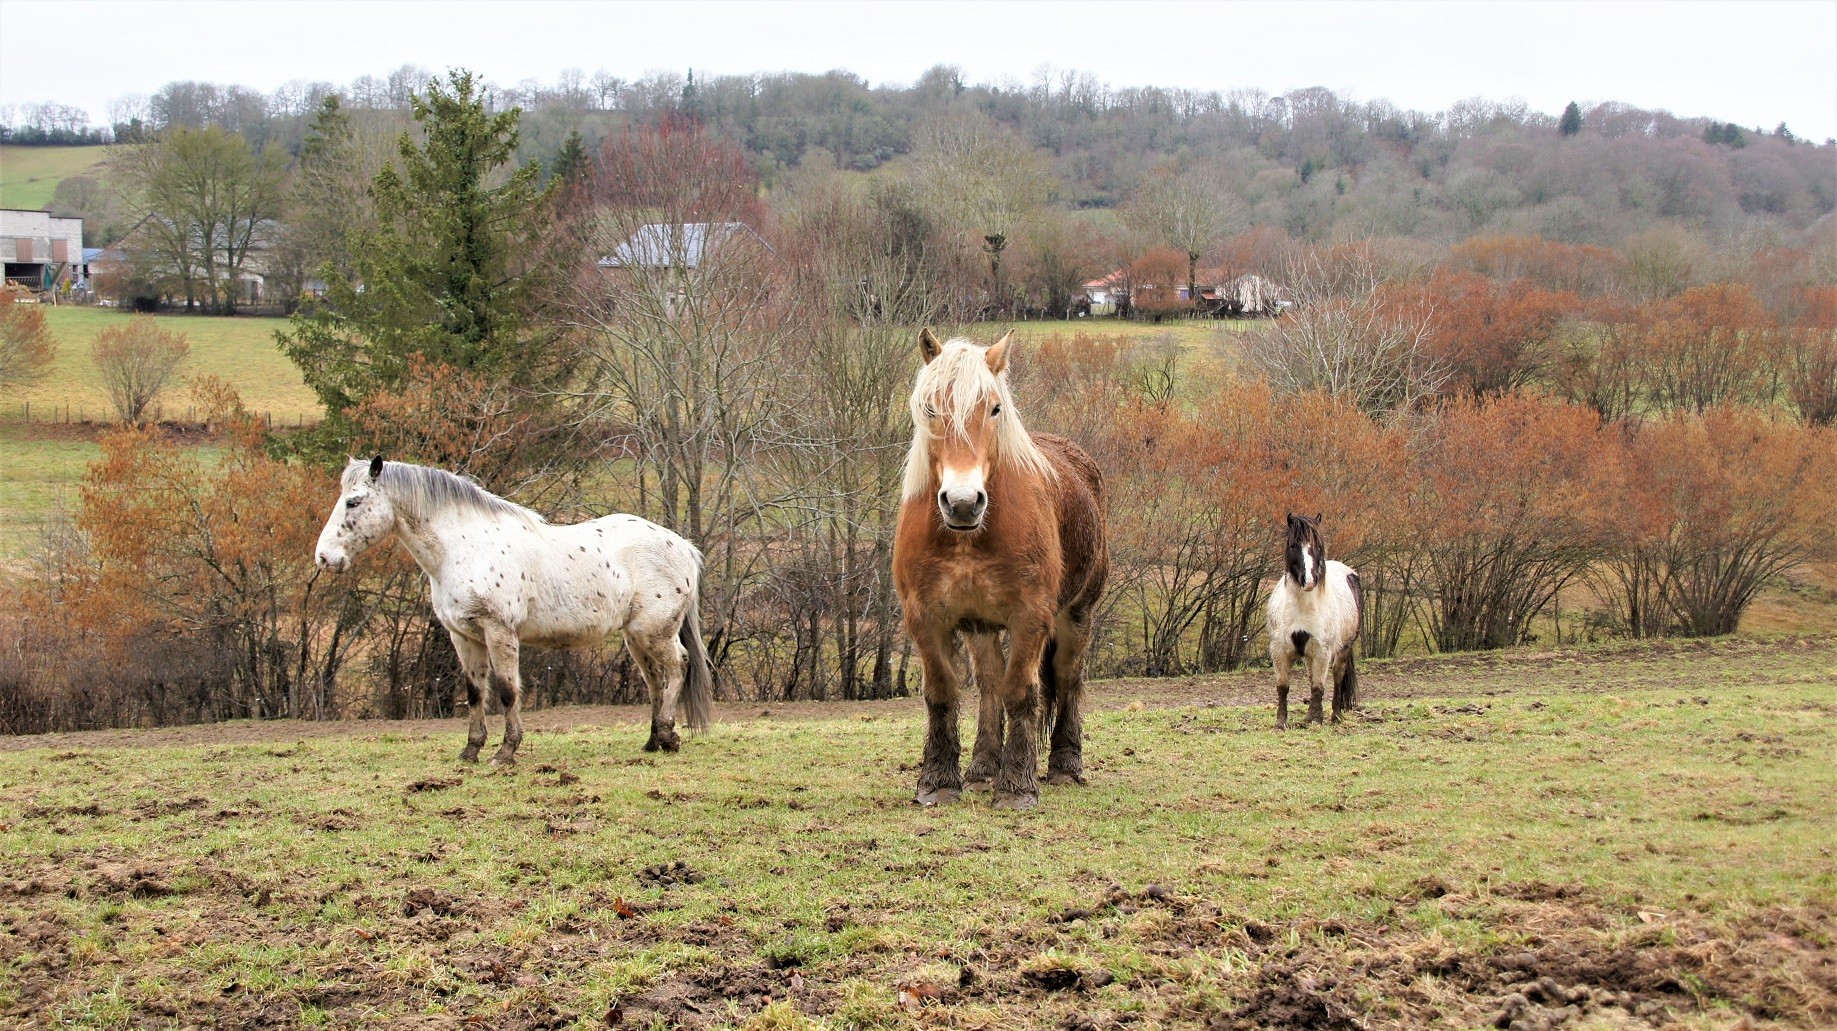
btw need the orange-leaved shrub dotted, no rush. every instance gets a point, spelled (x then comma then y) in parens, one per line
(187, 592)
(1711, 508)
(1517, 493)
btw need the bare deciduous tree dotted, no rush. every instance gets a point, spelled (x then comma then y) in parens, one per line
(1348, 336)
(975, 175)
(1190, 210)
(136, 361)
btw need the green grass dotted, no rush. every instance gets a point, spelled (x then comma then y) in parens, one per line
(37, 477)
(29, 175)
(240, 350)
(1661, 809)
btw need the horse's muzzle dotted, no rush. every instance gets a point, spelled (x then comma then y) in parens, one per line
(335, 563)
(963, 513)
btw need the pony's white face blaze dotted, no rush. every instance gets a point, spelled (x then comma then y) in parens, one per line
(362, 517)
(1309, 575)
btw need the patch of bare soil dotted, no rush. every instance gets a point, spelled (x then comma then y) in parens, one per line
(1574, 962)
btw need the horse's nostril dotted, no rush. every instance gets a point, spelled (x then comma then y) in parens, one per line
(981, 499)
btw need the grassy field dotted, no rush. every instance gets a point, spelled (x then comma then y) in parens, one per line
(29, 175)
(240, 350)
(39, 472)
(1458, 855)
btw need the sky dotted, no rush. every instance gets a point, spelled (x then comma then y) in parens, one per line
(1754, 63)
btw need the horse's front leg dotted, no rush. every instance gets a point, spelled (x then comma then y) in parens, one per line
(1318, 668)
(1284, 660)
(476, 663)
(501, 643)
(1017, 780)
(991, 669)
(939, 780)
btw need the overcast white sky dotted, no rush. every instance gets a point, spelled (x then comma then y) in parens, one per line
(1754, 63)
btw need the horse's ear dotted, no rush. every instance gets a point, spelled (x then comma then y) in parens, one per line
(997, 355)
(928, 345)
(1318, 516)
(376, 467)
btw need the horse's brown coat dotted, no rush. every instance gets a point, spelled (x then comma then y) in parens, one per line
(1035, 568)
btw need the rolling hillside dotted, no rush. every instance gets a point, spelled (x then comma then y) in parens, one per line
(29, 175)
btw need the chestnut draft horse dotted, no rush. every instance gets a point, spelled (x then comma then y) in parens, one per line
(999, 530)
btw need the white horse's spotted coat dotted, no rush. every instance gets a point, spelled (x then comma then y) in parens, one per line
(468, 541)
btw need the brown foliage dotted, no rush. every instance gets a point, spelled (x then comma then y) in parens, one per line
(1516, 499)
(1545, 264)
(1711, 508)
(26, 347)
(193, 582)
(1493, 337)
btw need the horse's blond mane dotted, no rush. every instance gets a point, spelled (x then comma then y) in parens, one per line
(427, 492)
(960, 375)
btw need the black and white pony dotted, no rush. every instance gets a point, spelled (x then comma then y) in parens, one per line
(1315, 613)
(503, 577)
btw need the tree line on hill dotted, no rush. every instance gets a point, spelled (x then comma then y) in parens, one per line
(1317, 165)
(1492, 426)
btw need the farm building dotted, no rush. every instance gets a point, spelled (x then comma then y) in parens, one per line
(661, 246)
(1106, 293)
(40, 249)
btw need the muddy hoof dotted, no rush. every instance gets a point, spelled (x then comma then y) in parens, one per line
(660, 743)
(1063, 777)
(468, 754)
(1016, 800)
(504, 758)
(980, 785)
(937, 796)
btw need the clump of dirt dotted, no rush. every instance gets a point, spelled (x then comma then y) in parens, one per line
(427, 900)
(716, 995)
(136, 880)
(668, 875)
(433, 784)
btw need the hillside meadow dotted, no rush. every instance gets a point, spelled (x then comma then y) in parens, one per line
(239, 350)
(1451, 857)
(29, 175)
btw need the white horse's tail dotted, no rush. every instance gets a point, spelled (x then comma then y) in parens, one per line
(698, 678)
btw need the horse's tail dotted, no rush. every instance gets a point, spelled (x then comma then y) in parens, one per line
(1346, 687)
(698, 678)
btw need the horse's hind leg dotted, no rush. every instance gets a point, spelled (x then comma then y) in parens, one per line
(660, 659)
(501, 643)
(991, 667)
(476, 663)
(939, 778)
(1071, 641)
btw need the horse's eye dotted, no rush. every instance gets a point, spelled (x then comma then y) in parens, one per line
(996, 412)
(930, 412)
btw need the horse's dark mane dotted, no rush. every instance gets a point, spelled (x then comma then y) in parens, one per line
(428, 491)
